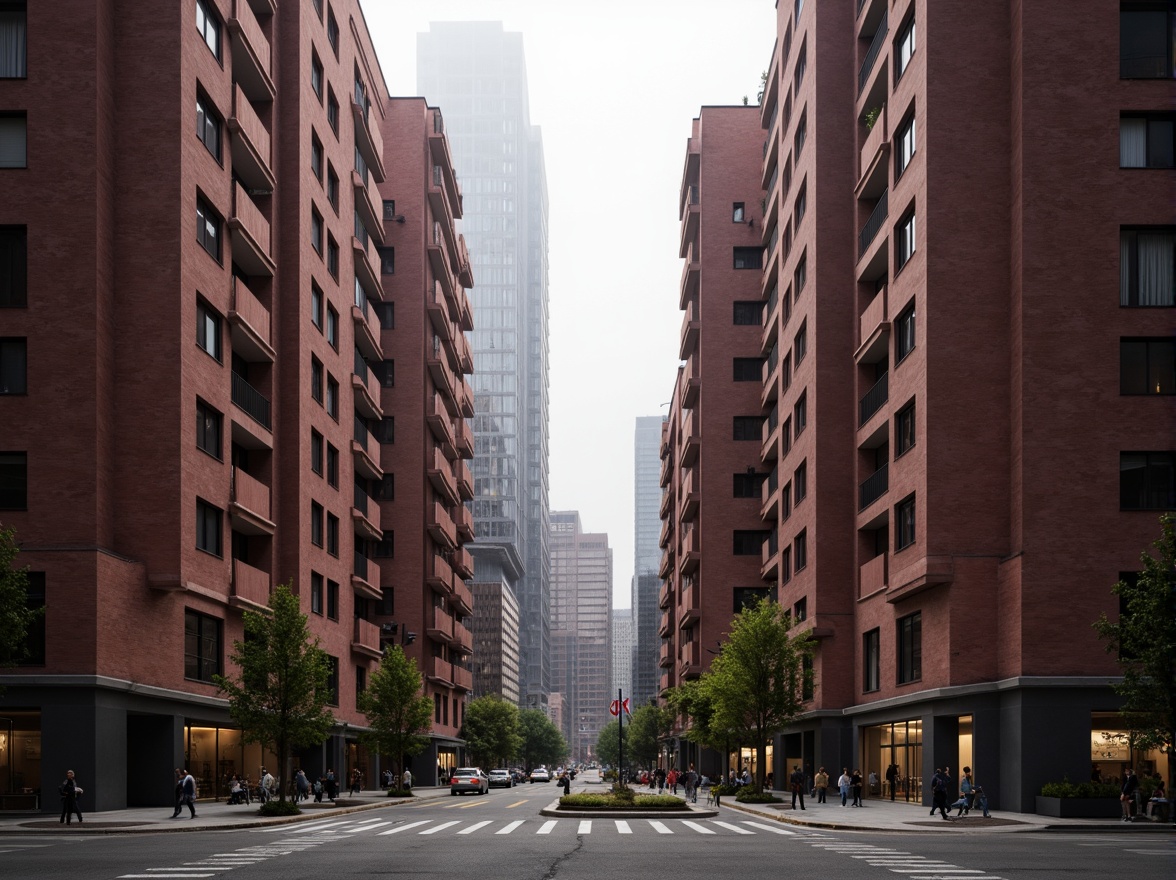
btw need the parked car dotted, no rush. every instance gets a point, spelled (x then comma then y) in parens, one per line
(540, 774)
(468, 779)
(501, 778)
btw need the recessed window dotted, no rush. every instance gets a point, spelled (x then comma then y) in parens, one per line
(208, 25)
(316, 379)
(333, 327)
(748, 257)
(1147, 480)
(801, 202)
(749, 542)
(332, 600)
(316, 157)
(333, 111)
(910, 648)
(208, 126)
(387, 260)
(737, 212)
(316, 306)
(14, 480)
(786, 436)
(316, 523)
(333, 256)
(14, 365)
(34, 643)
(332, 534)
(316, 452)
(316, 593)
(800, 413)
(747, 485)
(800, 276)
(332, 698)
(748, 313)
(871, 661)
(786, 501)
(316, 75)
(1147, 267)
(801, 64)
(385, 548)
(386, 312)
(208, 429)
(800, 483)
(208, 329)
(13, 140)
(316, 231)
(13, 267)
(332, 187)
(748, 428)
(1147, 366)
(749, 597)
(13, 48)
(800, 344)
(389, 209)
(800, 551)
(386, 489)
(202, 646)
(332, 466)
(904, 517)
(332, 397)
(904, 49)
(208, 229)
(333, 32)
(904, 146)
(1146, 141)
(904, 244)
(318, 8)
(904, 333)
(208, 528)
(799, 138)
(748, 369)
(386, 372)
(386, 431)
(904, 429)
(786, 564)
(1146, 37)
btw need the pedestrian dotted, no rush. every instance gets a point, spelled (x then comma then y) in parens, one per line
(187, 794)
(268, 785)
(821, 784)
(1127, 794)
(356, 783)
(981, 800)
(892, 779)
(692, 785)
(672, 780)
(301, 786)
(855, 783)
(661, 779)
(1158, 801)
(873, 783)
(319, 787)
(939, 793)
(332, 785)
(796, 783)
(407, 779)
(70, 792)
(565, 782)
(387, 775)
(843, 783)
(179, 793)
(967, 794)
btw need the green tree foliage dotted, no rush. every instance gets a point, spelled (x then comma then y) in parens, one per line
(15, 616)
(649, 725)
(755, 686)
(398, 713)
(541, 741)
(1144, 637)
(608, 745)
(491, 731)
(280, 698)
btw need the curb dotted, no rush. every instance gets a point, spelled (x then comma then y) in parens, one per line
(554, 811)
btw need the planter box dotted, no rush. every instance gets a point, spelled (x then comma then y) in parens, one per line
(1079, 808)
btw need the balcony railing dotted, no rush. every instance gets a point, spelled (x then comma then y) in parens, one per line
(361, 499)
(361, 564)
(877, 218)
(872, 53)
(251, 400)
(360, 432)
(773, 298)
(873, 399)
(873, 487)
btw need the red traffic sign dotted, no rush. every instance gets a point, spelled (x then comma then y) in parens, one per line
(625, 706)
(615, 707)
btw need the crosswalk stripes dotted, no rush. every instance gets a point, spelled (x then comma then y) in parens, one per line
(774, 829)
(440, 827)
(699, 828)
(405, 827)
(734, 828)
(218, 864)
(474, 827)
(511, 827)
(660, 827)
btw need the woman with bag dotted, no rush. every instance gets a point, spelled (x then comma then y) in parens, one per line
(70, 792)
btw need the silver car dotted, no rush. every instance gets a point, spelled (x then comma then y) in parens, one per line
(500, 778)
(465, 779)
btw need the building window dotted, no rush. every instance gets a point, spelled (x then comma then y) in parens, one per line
(1147, 267)
(208, 126)
(13, 267)
(904, 140)
(202, 646)
(800, 610)
(333, 111)
(786, 501)
(208, 229)
(332, 397)
(737, 212)
(389, 209)
(904, 517)
(386, 431)
(14, 481)
(748, 428)
(749, 313)
(333, 534)
(316, 156)
(748, 369)
(386, 607)
(904, 334)
(332, 187)
(316, 524)
(316, 452)
(332, 600)
(386, 312)
(747, 485)
(316, 306)
(800, 551)
(13, 140)
(871, 660)
(800, 413)
(910, 648)
(748, 542)
(904, 48)
(801, 203)
(208, 329)
(316, 75)
(208, 429)
(333, 256)
(332, 466)
(800, 344)
(387, 260)
(13, 27)
(34, 600)
(14, 365)
(208, 528)
(786, 565)
(209, 27)
(800, 275)
(1146, 141)
(1146, 36)
(749, 597)
(799, 138)
(904, 244)
(333, 327)
(749, 257)
(332, 681)
(316, 379)
(801, 63)
(1147, 366)
(385, 548)
(386, 489)
(1147, 480)
(800, 483)
(333, 32)
(904, 429)
(316, 593)
(786, 436)
(316, 231)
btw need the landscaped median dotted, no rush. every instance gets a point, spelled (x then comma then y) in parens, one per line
(622, 803)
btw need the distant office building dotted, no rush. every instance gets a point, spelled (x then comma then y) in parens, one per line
(477, 72)
(646, 642)
(622, 652)
(495, 628)
(647, 495)
(581, 611)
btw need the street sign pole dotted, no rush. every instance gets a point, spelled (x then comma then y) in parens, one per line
(620, 739)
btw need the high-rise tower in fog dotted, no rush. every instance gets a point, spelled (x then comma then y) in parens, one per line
(647, 496)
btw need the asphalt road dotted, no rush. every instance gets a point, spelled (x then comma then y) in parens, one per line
(502, 835)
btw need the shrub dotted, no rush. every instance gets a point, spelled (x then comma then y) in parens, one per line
(623, 794)
(748, 796)
(726, 790)
(279, 808)
(399, 792)
(1068, 789)
(612, 801)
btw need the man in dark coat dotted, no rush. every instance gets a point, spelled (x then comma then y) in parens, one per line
(69, 799)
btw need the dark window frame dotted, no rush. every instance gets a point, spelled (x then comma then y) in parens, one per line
(14, 352)
(909, 644)
(210, 528)
(1130, 295)
(904, 334)
(743, 310)
(14, 480)
(14, 267)
(316, 593)
(872, 660)
(209, 125)
(1157, 363)
(208, 25)
(744, 369)
(206, 413)
(905, 522)
(209, 229)
(1149, 493)
(905, 429)
(1158, 151)
(747, 258)
(741, 428)
(203, 636)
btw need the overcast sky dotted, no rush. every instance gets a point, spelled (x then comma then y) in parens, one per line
(614, 86)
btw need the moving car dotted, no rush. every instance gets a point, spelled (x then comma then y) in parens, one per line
(501, 778)
(468, 779)
(540, 774)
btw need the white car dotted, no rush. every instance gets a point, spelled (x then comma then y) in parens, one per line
(468, 779)
(501, 778)
(540, 774)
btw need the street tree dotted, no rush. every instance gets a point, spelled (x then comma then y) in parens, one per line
(608, 744)
(541, 741)
(1144, 638)
(279, 699)
(398, 713)
(15, 616)
(756, 684)
(647, 728)
(491, 730)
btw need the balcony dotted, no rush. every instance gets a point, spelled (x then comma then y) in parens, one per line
(691, 603)
(771, 323)
(771, 91)
(875, 222)
(251, 587)
(667, 532)
(872, 576)
(438, 671)
(463, 639)
(693, 380)
(691, 552)
(365, 268)
(464, 520)
(251, 53)
(361, 572)
(873, 487)
(465, 481)
(769, 554)
(462, 599)
(365, 389)
(666, 625)
(691, 440)
(251, 144)
(444, 175)
(873, 331)
(438, 311)
(439, 575)
(441, 527)
(873, 399)
(665, 655)
(368, 139)
(667, 503)
(465, 399)
(441, 207)
(366, 465)
(441, 425)
(667, 563)
(368, 206)
(771, 434)
(689, 497)
(691, 273)
(690, 660)
(250, 235)
(365, 639)
(873, 166)
(691, 212)
(249, 321)
(365, 514)
(876, 46)
(770, 496)
(690, 328)
(463, 679)
(442, 375)
(463, 563)
(441, 476)
(252, 401)
(367, 331)
(249, 509)
(464, 439)
(439, 624)
(665, 595)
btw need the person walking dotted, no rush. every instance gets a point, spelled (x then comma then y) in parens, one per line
(1127, 794)
(332, 785)
(939, 793)
(187, 794)
(70, 792)
(892, 779)
(821, 784)
(268, 785)
(356, 783)
(981, 800)
(796, 783)
(407, 779)
(301, 786)
(179, 793)
(967, 794)
(855, 783)
(843, 783)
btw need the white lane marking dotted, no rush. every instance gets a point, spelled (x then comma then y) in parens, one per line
(731, 827)
(511, 827)
(440, 827)
(301, 829)
(547, 826)
(701, 829)
(129, 876)
(772, 828)
(370, 826)
(623, 827)
(660, 827)
(400, 828)
(585, 827)
(474, 827)
(946, 869)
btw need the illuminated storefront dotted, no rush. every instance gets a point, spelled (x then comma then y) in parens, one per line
(215, 754)
(20, 759)
(899, 743)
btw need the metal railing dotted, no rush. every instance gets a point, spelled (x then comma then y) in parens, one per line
(874, 487)
(251, 400)
(872, 53)
(877, 218)
(360, 432)
(874, 398)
